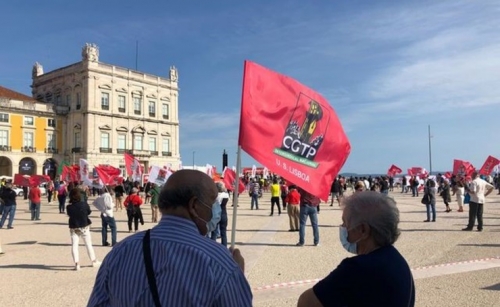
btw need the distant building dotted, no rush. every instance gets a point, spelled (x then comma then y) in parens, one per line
(30, 135)
(101, 111)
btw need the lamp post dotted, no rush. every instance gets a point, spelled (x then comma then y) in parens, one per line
(430, 151)
(193, 158)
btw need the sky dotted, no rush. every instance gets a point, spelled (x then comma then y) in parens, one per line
(388, 68)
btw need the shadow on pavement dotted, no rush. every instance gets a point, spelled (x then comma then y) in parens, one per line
(54, 244)
(481, 245)
(51, 223)
(260, 230)
(37, 267)
(23, 243)
(433, 230)
(264, 244)
(493, 287)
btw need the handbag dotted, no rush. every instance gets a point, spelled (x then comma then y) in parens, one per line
(467, 198)
(426, 200)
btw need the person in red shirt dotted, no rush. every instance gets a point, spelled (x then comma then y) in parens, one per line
(293, 201)
(133, 204)
(34, 198)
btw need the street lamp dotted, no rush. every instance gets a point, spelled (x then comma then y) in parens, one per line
(193, 157)
(430, 151)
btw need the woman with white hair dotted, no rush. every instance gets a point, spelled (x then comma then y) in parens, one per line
(378, 275)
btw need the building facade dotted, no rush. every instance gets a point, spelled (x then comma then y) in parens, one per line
(106, 111)
(30, 135)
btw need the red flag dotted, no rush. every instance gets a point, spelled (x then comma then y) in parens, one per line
(22, 180)
(108, 174)
(134, 169)
(306, 142)
(410, 172)
(448, 175)
(394, 170)
(488, 165)
(229, 177)
(462, 168)
(37, 180)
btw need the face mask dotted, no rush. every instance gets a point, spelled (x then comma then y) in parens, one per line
(348, 246)
(216, 215)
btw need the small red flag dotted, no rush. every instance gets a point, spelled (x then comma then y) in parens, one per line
(291, 129)
(394, 170)
(488, 165)
(229, 178)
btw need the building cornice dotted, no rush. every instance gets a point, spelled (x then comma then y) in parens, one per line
(149, 120)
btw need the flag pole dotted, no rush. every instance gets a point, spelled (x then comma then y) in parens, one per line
(236, 196)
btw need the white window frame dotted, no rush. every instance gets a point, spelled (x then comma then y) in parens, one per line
(122, 102)
(152, 141)
(53, 120)
(32, 139)
(78, 139)
(137, 103)
(138, 137)
(165, 111)
(105, 142)
(124, 141)
(105, 99)
(51, 140)
(32, 122)
(4, 137)
(4, 115)
(165, 141)
(152, 107)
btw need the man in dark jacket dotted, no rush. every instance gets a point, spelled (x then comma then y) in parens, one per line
(9, 198)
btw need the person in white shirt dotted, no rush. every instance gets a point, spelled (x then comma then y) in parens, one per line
(105, 204)
(478, 190)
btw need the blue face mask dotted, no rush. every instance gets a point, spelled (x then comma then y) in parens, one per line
(348, 246)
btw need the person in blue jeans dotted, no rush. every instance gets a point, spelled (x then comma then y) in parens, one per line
(308, 208)
(254, 193)
(9, 208)
(430, 190)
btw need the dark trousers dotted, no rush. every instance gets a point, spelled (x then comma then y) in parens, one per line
(283, 201)
(135, 216)
(62, 202)
(223, 228)
(475, 210)
(275, 201)
(108, 221)
(49, 195)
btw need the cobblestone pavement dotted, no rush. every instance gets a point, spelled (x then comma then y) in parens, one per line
(451, 267)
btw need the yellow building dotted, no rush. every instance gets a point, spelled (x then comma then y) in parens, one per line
(30, 135)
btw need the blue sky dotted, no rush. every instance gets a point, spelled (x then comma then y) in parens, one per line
(389, 68)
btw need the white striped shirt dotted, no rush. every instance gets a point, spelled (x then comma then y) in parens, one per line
(190, 270)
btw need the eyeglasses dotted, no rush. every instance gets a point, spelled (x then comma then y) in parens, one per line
(204, 204)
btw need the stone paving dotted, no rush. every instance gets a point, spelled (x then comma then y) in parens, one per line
(451, 267)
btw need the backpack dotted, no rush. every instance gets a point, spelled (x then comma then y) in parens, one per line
(61, 191)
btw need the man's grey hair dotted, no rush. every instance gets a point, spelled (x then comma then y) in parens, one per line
(220, 187)
(377, 210)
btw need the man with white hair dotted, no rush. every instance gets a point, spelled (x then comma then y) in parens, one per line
(378, 275)
(222, 199)
(478, 190)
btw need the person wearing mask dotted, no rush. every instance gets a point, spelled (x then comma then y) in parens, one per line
(275, 197)
(9, 205)
(308, 208)
(133, 204)
(35, 198)
(79, 227)
(192, 270)
(378, 275)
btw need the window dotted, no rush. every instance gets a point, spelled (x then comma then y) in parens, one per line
(58, 100)
(122, 141)
(152, 108)
(4, 138)
(105, 101)
(164, 111)
(121, 103)
(78, 139)
(28, 140)
(51, 141)
(165, 145)
(152, 144)
(4, 117)
(124, 170)
(138, 142)
(78, 101)
(51, 123)
(137, 105)
(68, 100)
(29, 121)
(104, 140)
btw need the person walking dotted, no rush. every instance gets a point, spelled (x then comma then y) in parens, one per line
(50, 190)
(275, 197)
(446, 195)
(62, 193)
(35, 200)
(133, 204)
(9, 205)
(79, 227)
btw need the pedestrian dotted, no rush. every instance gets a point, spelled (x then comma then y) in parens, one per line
(293, 201)
(9, 207)
(62, 192)
(478, 190)
(275, 197)
(429, 199)
(104, 203)
(153, 194)
(221, 201)
(35, 200)
(308, 208)
(133, 204)
(446, 195)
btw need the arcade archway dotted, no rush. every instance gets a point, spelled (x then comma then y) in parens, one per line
(50, 168)
(5, 167)
(27, 166)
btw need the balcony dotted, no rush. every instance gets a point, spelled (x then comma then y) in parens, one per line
(105, 150)
(5, 148)
(141, 153)
(137, 112)
(152, 114)
(166, 153)
(121, 110)
(61, 110)
(165, 116)
(123, 150)
(154, 153)
(105, 106)
(76, 150)
(28, 149)
(51, 150)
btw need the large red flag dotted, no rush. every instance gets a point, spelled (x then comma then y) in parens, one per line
(488, 165)
(291, 129)
(108, 174)
(462, 168)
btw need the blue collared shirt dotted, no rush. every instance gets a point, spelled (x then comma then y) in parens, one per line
(190, 270)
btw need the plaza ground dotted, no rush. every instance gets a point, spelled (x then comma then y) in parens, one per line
(451, 267)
